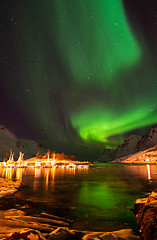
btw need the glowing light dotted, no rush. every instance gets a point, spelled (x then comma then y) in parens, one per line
(98, 124)
(47, 177)
(37, 172)
(81, 54)
(9, 173)
(148, 170)
(19, 172)
(106, 44)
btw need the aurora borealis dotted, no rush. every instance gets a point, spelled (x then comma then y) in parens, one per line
(78, 72)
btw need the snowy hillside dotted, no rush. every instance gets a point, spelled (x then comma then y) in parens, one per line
(131, 145)
(128, 147)
(9, 141)
(148, 140)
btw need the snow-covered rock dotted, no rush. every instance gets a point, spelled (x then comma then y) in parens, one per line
(146, 214)
(128, 147)
(26, 235)
(8, 186)
(147, 141)
(7, 141)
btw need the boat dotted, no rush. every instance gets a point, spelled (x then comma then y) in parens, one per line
(48, 163)
(71, 165)
(53, 161)
(20, 162)
(10, 163)
(38, 164)
(64, 166)
(80, 166)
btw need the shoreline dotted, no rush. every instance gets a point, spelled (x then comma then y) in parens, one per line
(17, 222)
(8, 186)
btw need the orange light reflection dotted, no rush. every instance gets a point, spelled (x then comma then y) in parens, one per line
(19, 172)
(9, 173)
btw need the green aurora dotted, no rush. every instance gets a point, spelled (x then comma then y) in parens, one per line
(84, 72)
(98, 42)
(101, 124)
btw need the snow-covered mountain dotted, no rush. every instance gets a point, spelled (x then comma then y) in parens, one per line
(9, 141)
(142, 157)
(130, 146)
(126, 148)
(147, 141)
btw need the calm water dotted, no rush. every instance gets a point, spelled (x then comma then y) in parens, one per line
(97, 198)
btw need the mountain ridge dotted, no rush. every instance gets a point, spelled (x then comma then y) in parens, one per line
(133, 144)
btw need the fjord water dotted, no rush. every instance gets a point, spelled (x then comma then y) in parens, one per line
(96, 198)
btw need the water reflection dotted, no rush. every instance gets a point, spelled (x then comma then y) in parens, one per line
(37, 172)
(98, 197)
(46, 174)
(110, 191)
(8, 172)
(19, 173)
(148, 169)
(51, 174)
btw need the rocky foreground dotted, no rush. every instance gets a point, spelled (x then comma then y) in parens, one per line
(66, 234)
(145, 210)
(18, 221)
(15, 224)
(21, 224)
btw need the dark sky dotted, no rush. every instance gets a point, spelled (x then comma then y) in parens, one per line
(78, 75)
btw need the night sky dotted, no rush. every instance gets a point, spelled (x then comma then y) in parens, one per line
(78, 74)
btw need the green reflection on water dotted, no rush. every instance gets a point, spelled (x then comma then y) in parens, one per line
(106, 204)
